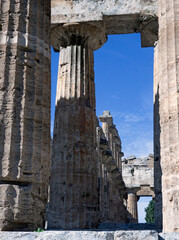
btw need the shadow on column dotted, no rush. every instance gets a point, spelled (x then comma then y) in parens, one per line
(157, 165)
(73, 179)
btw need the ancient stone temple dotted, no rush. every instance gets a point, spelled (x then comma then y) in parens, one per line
(89, 182)
(24, 113)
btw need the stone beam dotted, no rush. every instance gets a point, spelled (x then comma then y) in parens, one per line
(118, 17)
(137, 172)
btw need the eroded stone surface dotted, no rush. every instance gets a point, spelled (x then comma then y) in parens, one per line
(110, 184)
(82, 235)
(73, 183)
(136, 235)
(166, 128)
(169, 236)
(138, 176)
(24, 113)
(118, 17)
(139, 172)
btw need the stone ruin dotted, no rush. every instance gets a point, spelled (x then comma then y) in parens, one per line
(138, 176)
(76, 29)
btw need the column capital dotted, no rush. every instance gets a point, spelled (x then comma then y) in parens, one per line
(78, 34)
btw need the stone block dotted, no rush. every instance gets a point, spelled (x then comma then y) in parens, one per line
(135, 235)
(58, 235)
(169, 236)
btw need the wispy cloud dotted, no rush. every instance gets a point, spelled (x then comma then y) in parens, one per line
(115, 97)
(117, 54)
(140, 147)
(136, 132)
(137, 117)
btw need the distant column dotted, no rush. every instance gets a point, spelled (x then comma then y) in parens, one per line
(132, 207)
(24, 113)
(166, 117)
(73, 179)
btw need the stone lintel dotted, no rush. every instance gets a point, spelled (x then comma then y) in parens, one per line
(118, 17)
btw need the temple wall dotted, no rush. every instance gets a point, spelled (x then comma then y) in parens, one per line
(111, 186)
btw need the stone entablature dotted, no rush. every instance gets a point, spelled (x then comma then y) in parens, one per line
(138, 173)
(116, 17)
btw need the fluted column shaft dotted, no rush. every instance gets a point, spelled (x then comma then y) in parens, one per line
(166, 100)
(73, 184)
(24, 113)
(132, 207)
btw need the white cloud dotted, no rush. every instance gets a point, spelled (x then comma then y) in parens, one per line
(115, 97)
(136, 117)
(117, 54)
(140, 147)
(136, 132)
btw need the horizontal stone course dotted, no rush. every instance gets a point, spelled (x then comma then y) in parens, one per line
(89, 235)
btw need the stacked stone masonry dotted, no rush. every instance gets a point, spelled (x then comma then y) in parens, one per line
(110, 184)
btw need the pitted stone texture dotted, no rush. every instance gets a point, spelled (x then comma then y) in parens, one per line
(24, 113)
(166, 112)
(77, 33)
(118, 16)
(58, 235)
(73, 181)
(84, 10)
(82, 235)
(138, 172)
(169, 236)
(136, 235)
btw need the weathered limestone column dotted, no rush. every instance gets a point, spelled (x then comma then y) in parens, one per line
(166, 96)
(73, 179)
(132, 207)
(24, 113)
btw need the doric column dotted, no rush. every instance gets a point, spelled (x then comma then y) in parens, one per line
(166, 117)
(73, 178)
(24, 113)
(107, 122)
(132, 207)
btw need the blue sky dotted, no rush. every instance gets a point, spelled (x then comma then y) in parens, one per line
(124, 86)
